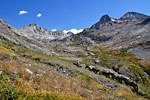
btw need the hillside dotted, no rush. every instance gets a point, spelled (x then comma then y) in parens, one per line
(113, 55)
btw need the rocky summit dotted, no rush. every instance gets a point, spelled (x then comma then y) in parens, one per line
(108, 61)
(33, 31)
(104, 19)
(133, 16)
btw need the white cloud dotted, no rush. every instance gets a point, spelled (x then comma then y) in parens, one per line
(75, 31)
(22, 12)
(80, 30)
(53, 30)
(39, 15)
(65, 31)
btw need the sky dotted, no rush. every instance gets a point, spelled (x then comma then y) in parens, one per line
(66, 14)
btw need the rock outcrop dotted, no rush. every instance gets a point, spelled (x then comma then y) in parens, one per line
(114, 75)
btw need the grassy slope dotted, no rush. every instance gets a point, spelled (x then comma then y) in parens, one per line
(135, 68)
(16, 83)
(129, 65)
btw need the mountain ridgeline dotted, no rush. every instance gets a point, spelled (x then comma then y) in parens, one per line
(129, 31)
(133, 16)
(110, 30)
(33, 31)
(31, 36)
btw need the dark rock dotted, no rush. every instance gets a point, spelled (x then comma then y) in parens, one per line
(104, 19)
(116, 76)
(146, 21)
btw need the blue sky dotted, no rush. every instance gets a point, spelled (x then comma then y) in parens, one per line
(66, 14)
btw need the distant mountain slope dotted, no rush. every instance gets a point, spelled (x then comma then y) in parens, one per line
(32, 36)
(11, 34)
(118, 33)
(33, 31)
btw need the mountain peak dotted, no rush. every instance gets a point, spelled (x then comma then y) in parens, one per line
(33, 25)
(133, 16)
(105, 18)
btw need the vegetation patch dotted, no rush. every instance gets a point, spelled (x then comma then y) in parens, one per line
(4, 50)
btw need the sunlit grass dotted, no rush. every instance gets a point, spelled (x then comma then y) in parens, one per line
(4, 50)
(47, 86)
